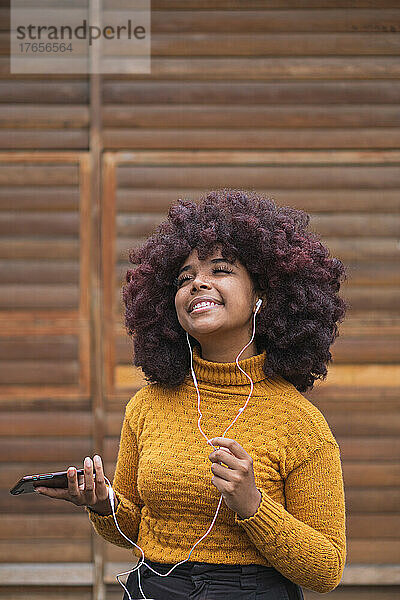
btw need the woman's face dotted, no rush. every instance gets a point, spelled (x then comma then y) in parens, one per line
(229, 292)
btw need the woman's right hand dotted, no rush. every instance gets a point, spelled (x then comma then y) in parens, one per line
(88, 491)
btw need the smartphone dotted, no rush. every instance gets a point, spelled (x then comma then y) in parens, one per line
(27, 484)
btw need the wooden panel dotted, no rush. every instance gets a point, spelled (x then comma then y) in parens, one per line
(44, 324)
(31, 278)
(42, 114)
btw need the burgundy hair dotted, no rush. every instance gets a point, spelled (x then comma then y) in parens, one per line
(296, 325)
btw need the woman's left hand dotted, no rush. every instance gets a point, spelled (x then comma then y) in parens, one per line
(236, 483)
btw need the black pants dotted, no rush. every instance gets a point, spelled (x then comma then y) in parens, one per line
(204, 581)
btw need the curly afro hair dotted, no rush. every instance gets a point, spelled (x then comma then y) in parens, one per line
(297, 324)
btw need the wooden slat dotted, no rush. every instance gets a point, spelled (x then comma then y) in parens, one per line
(318, 200)
(38, 527)
(53, 322)
(369, 448)
(43, 139)
(364, 375)
(32, 175)
(255, 4)
(275, 44)
(46, 550)
(116, 138)
(372, 249)
(30, 248)
(32, 116)
(66, 450)
(39, 296)
(371, 323)
(7, 76)
(373, 350)
(274, 93)
(34, 271)
(244, 158)
(32, 503)
(326, 394)
(38, 198)
(360, 423)
(289, 176)
(266, 21)
(45, 91)
(362, 298)
(356, 225)
(378, 552)
(38, 592)
(233, 117)
(60, 224)
(288, 68)
(43, 396)
(242, 44)
(40, 348)
(371, 274)
(44, 423)
(32, 372)
(372, 500)
(370, 475)
(71, 574)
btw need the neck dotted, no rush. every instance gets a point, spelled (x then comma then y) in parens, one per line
(226, 353)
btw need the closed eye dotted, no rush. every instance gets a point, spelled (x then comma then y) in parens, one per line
(180, 280)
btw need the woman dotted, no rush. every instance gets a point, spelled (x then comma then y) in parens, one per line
(234, 276)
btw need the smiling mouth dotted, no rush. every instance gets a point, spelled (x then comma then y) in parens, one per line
(203, 308)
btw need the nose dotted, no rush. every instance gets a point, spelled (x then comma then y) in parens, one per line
(200, 282)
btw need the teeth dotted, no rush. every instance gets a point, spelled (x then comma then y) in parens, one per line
(203, 304)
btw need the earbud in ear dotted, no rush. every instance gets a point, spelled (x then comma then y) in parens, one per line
(258, 305)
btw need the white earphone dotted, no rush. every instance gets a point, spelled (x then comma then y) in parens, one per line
(258, 305)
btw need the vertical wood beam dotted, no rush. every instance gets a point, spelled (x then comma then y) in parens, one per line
(97, 383)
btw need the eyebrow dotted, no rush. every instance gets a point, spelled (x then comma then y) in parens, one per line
(214, 260)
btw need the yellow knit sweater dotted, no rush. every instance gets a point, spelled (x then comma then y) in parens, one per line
(163, 476)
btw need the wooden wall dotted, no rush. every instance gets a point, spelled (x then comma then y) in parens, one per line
(298, 102)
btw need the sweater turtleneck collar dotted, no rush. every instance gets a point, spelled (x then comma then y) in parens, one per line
(228, 373)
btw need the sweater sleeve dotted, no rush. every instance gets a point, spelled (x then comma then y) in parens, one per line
(124, 484)
(306, 542)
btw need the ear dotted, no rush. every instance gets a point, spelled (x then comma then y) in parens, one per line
(259, 296)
